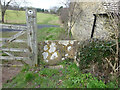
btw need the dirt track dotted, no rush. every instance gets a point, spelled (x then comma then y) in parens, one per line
(9, 72)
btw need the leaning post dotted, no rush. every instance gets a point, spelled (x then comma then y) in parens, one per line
(31, 34)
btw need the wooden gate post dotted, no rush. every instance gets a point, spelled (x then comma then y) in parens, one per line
(31, 34)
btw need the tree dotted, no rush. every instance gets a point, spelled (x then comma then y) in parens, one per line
(69, 15)
(59, 9)
(4, 4)
(114, 16)
(42, 10)
(54, 10)
(4, 8)
(46, 11)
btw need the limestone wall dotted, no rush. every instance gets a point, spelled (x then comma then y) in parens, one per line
(84, 24)
(53, 52)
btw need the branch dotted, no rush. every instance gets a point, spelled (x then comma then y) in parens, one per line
(75, 20)
(5, 6)
(110, 64)
(117, 67)
(71, 13)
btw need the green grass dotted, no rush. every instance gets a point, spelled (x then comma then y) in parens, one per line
(43, 18)
(69, 77)
(18, 17)
(52, 33)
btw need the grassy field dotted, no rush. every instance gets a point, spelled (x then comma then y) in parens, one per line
(19, 17)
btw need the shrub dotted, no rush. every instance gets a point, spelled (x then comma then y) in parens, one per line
(92, 54)
(94, 51)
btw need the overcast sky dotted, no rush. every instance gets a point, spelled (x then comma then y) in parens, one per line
(46, 4)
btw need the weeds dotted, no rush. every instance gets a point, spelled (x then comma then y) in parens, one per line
(29, 76)
(69, 77)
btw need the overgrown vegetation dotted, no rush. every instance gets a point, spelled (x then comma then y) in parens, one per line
(69, 77)
(94, 51)
(92, 59)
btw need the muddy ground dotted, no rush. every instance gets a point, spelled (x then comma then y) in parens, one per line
(10, 71)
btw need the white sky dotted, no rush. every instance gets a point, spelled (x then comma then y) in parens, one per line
(46, 4)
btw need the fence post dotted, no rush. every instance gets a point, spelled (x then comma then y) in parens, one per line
(31, 34)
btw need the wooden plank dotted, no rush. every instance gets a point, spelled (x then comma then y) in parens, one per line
(16, 27)
(18, 40)
(31, 31)
(14, 49)
(9, 54)
(12, 38)
(13, 58)
(16, 36)
(8, 65)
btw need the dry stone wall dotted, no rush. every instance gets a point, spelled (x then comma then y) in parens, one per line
(83, 27)
(53, 52)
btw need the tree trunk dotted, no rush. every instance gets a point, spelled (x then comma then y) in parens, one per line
(3, 14)
(117, 48)
(69, 32)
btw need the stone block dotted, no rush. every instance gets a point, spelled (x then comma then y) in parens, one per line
(53, 52)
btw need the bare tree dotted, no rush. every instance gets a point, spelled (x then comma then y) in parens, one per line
(4, 7)
(64, 16)
(54, 10)
(113, 13)
(74, 13)
(70, 15)
(4, 4)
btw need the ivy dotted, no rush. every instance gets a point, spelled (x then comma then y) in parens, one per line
(94, 52)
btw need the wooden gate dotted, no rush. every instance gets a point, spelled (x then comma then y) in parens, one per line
(31, 41)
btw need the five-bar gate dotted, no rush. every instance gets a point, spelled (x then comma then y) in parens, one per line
(30, 31)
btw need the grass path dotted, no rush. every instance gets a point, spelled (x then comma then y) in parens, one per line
(52, 33)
